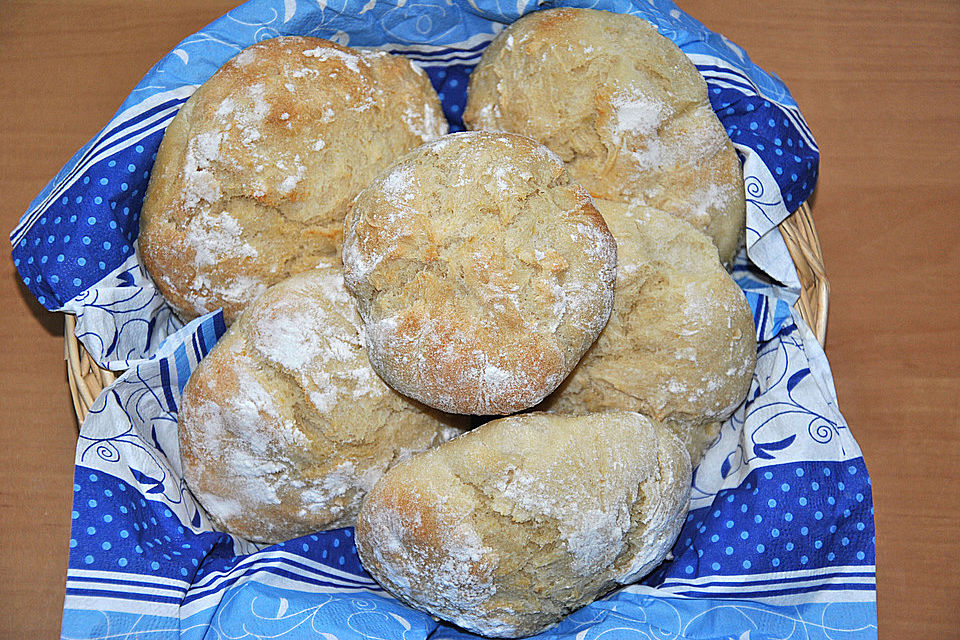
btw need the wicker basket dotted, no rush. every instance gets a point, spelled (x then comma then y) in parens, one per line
(87, 380)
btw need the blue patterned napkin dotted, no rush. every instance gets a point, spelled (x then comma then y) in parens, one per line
(779, 542)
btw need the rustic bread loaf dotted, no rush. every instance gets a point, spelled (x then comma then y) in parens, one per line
(256, 171)
(481, 271)
(507, 529)
(625, 109)
(680, 344)
(284, 426)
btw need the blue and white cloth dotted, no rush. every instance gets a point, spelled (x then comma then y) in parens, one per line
(779, 542)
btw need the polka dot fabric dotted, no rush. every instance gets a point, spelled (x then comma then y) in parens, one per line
(119, 529)
(780, 519)
(116, 527)
(766, 127)
(451, 85)
(90, 227)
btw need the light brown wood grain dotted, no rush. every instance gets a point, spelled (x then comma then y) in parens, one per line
(879, 84)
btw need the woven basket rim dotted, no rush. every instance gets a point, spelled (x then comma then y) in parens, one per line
(803, 243)
(86, 379)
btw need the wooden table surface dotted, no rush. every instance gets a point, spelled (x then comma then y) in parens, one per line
(879, 84)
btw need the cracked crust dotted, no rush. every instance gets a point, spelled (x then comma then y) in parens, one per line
(680, 344)
(624, 108)
(256, 171)
(482, 272)
(284, 426)
(509, 528)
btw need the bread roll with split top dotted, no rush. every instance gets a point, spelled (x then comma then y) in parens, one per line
(510, 527)
(284, 426)
(481, 270)
(623, 106)
(680, 344)
(256, 171)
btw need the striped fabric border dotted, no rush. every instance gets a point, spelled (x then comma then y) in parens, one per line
(124, 131)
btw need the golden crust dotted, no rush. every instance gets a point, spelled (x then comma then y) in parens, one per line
(506, 529)
(623, 107)
(680, 344)
(481, 271)
(256, 171)
(284, 426)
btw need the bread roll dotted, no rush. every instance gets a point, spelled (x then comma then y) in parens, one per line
(507, 529)
(284, 426)
(680, 344)
(481, 271)
(256, 171)
(625, 109)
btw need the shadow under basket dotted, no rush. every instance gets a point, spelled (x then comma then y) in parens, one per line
(87, 380)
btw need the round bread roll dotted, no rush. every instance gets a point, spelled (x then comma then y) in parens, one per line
(507, 529)
(284, 426)
(625, 109)
(680, 345)
(481, 271)
(256, 171)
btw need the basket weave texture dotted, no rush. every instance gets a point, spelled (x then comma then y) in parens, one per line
(87, 380)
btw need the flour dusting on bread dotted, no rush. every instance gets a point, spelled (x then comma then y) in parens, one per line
(636, 125)
(441, 252)
(282, 137)
(284, 426)
(506, 529)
